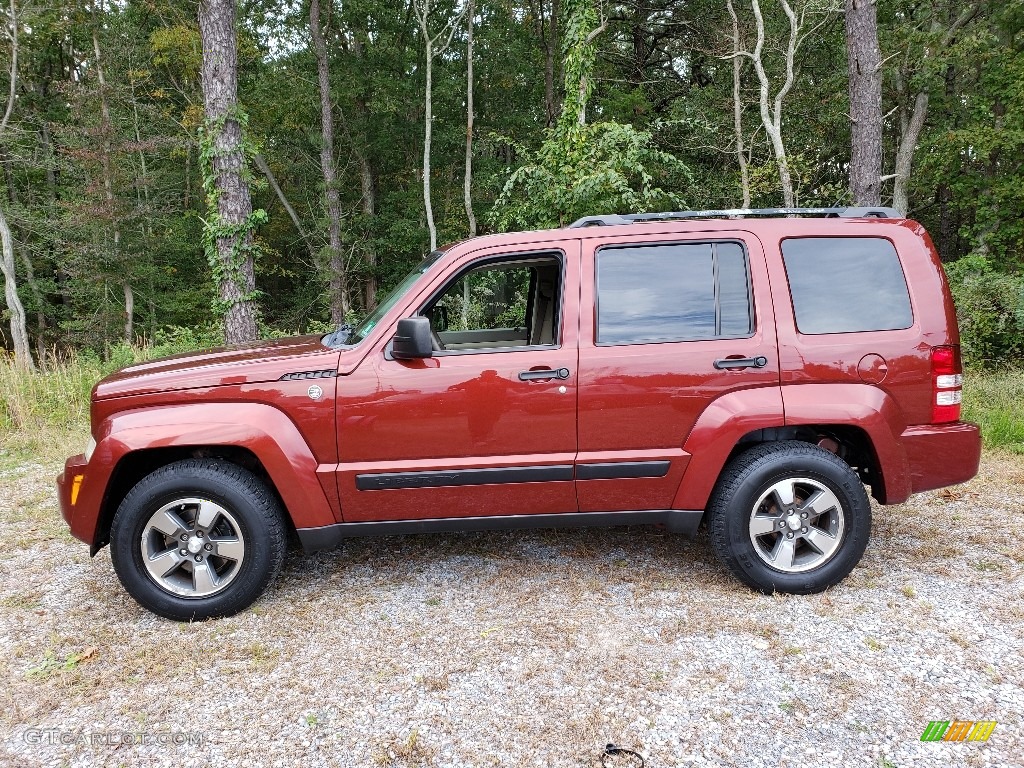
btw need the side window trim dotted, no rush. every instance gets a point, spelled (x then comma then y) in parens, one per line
(503, 258)
(751, 315)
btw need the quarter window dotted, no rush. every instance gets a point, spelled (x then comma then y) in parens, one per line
(846, 285)
(673, 292)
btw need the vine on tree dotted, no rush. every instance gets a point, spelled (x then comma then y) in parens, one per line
(241, 235)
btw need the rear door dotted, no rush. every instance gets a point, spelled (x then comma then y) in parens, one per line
(487, 425)
(669, 324)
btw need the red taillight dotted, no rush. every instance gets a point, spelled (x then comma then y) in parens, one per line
(947, 380)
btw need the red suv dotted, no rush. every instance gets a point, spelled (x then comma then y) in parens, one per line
(750, 369)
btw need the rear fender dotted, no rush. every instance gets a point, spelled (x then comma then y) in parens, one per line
(864, 406)
(717, 432)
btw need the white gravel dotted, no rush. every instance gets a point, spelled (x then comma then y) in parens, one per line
(526, 649)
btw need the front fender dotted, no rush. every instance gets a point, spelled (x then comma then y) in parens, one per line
(261, 429)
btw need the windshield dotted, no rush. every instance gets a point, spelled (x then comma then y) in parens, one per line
(362, 330)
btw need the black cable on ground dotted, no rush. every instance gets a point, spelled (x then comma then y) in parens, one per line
(612, 749)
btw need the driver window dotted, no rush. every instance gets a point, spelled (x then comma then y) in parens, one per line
(498, 305)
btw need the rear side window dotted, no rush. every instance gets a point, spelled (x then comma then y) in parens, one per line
(674, 292)
(846, 284)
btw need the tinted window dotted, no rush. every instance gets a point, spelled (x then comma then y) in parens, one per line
(846, 284)
(672, 293)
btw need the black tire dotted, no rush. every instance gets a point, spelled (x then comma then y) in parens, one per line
(249, 527)
(751, 495)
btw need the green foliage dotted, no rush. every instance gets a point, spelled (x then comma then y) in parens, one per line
(990, 311)
(488, 299)
(582, 170)
(649, 79)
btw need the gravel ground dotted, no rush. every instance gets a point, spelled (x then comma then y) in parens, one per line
(526, 649)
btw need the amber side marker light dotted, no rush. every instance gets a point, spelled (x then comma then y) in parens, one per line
(76, 485)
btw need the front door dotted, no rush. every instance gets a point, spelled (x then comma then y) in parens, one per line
(487, 425)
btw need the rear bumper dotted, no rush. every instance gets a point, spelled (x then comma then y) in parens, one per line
(941, 454)
(75, 495)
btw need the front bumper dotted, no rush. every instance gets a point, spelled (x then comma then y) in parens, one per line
(76, 497)
(939, 455)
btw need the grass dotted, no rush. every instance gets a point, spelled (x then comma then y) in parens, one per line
(996, 402)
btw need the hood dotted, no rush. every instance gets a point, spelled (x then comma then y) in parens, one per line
(251, 363)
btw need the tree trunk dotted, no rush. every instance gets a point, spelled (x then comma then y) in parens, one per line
(369, 189)
(41, 325)
(431, 48)
(737, 107)
(771, 114)
(905, 153)
(237, 281)
(911, 127)
(549, 38)
(129, 313)
(428, 131)
(337, 289)
(467, 183)
(261, 163)
(864, 64)
(19, 335)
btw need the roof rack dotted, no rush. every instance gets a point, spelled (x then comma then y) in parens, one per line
(738, 213)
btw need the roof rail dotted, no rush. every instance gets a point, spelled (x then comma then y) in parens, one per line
(738, 213)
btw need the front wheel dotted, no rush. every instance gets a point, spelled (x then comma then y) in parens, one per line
(198, 539)
(789, 517)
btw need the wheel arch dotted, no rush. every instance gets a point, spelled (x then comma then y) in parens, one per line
(257, 437)
(856, 426)
(136, 465)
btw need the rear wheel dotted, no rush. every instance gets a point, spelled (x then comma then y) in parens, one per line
(789, 517)
(198, 539)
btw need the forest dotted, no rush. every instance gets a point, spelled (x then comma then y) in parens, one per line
(366, 133)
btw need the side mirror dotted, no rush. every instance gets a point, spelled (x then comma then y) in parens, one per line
(412, 339)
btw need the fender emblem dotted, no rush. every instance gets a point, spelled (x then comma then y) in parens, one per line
(315, 392)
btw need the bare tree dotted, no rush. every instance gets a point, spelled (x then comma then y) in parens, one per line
(772, 107)
(233, 232)
(913, 115)
(338, 288)
(433, 45)
(737, 107)
(19, 333)
(467, 184)
(864, 67)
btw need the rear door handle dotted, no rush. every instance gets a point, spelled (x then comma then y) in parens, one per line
(544, 373)
(741, 362)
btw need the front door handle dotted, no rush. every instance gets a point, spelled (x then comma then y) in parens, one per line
(544, 373)
(741, 362)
